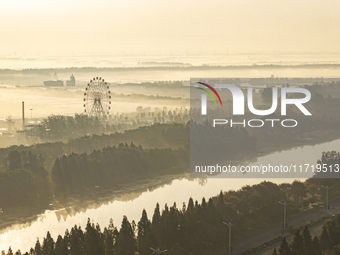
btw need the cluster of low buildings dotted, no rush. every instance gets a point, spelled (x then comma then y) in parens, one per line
(59, 83)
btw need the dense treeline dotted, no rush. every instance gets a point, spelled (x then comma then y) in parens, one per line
(327, 243)
(191, 229)
(330, 236)
(114, 165)
(302, 245)
(63, 128)
(194, 228)
(25, 180)
(157, 135)
(84, 168)
(60, 127)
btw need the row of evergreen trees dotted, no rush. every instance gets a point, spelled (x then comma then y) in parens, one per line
(114, 166)
(25, 181)
(186, 230)
(301, 245)
(194, 228)
(154, 136)
(327, 243)
(61, 128)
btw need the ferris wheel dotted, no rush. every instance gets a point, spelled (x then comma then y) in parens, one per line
(97, 98)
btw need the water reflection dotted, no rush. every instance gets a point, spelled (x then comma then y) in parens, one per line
(105, 198)
(131, 200)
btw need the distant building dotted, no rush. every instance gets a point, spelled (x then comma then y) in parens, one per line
(71, 81)
(57, 83)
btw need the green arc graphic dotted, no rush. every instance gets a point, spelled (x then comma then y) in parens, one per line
(209, 94)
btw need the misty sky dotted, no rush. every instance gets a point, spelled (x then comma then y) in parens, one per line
(114, 26)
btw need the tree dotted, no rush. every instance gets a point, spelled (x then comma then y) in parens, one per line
(109, 238)
(308, 242)
(60, 247)
(10, 252)
(156, 223)
(221, 201)
(37, 248)
(274, 252)
(316, 246)
(284, 248)
(76, 240)
(298, 244)
(50, 244)
(190, 205)
(144, 234)
(299, 190)
(13, 160)
(325, 241)
(126, 243)
(266, 94)
(93, 240)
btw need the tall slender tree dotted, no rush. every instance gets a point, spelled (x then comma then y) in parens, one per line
(284, 248)
(144, 234)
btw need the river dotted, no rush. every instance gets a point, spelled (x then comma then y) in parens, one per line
(131, 201)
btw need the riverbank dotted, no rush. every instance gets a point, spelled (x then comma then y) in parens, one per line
(24, 216)
(131, 204)
(261, 214)
(96, 196)
(129, 199)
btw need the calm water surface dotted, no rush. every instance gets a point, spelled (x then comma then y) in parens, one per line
(132, 201)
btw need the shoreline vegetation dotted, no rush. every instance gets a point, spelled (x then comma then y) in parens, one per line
(195, 227)
(31, 213)
(327, 242)
(39, 206)
(23, 214)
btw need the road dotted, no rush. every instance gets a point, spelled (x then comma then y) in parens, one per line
(314, 231)
(298, 220)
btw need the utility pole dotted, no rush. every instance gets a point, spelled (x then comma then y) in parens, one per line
(158, 251)
(23, 115)
(229, 225)
(327, 189)
(284, 215)
(31, 113)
